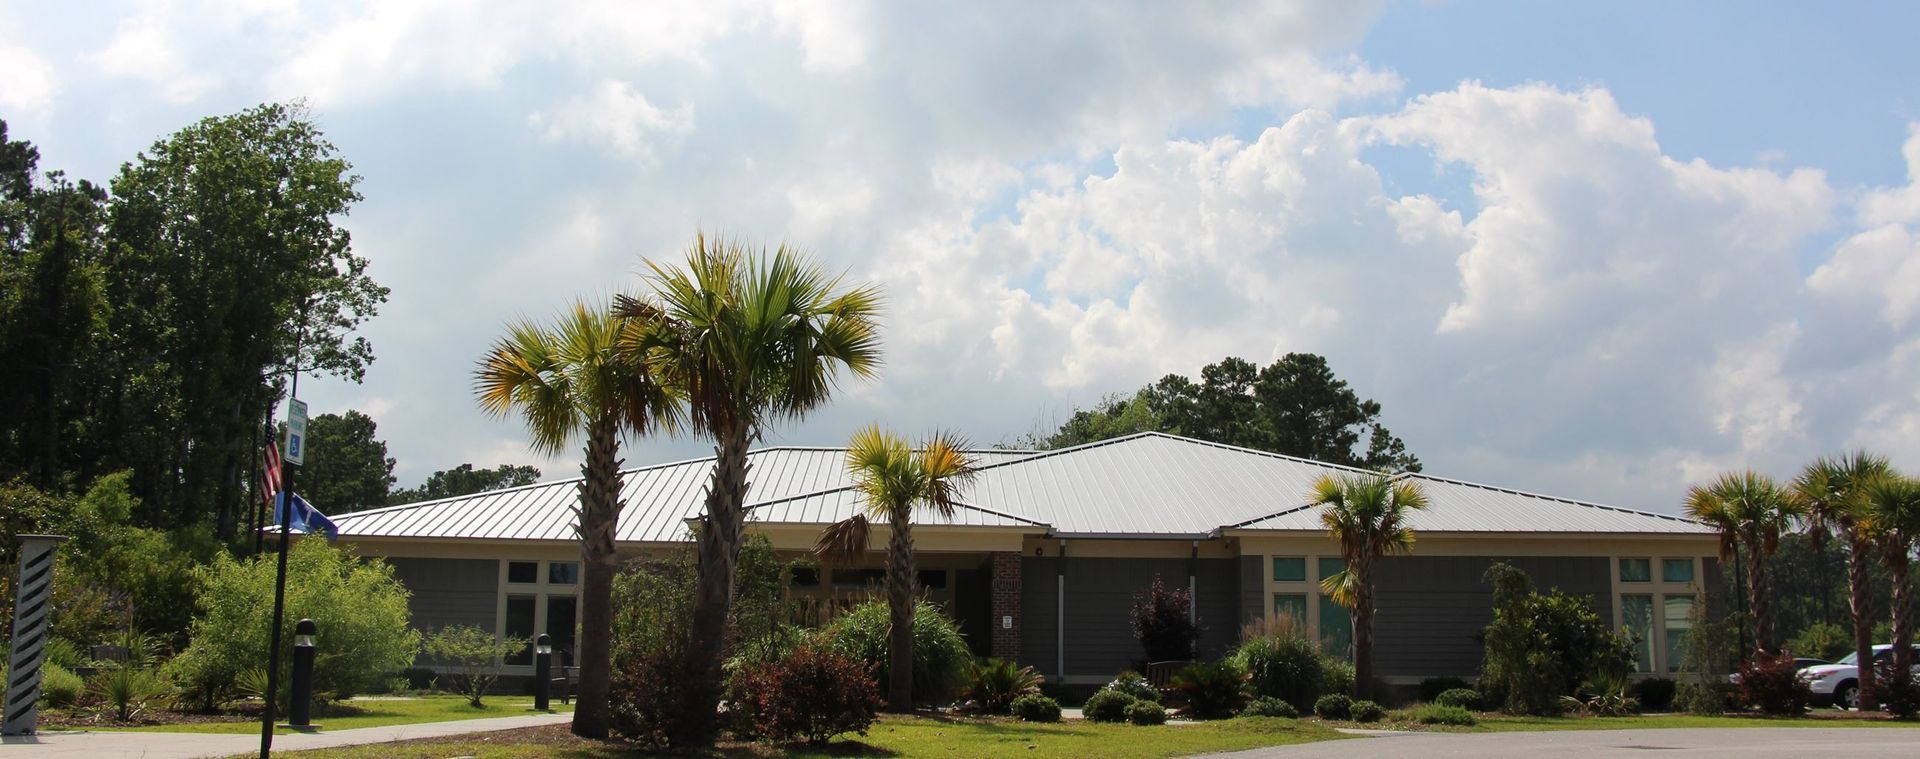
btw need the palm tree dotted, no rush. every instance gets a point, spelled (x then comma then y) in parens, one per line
(1893, 508)
(894, 479)
(1831, 494)
(748, 339)
(1750, 510)
(1368, 515)
(565, 381)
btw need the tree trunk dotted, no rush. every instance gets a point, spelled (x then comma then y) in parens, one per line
(719, 547)
(1897, 565)
(599, 518)
(900, 581)
(1363, 629)
(1860, 606)
(1757, 595)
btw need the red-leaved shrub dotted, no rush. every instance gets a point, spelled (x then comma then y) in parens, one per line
(1163, 622)
(1772, 684)
(647, 703)
(812, 694)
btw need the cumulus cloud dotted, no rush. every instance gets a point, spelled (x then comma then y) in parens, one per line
(29, 84)
(616, 117)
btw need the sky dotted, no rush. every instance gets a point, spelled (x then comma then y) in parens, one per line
(1596, 250)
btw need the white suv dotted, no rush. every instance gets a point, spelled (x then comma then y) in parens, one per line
(1838, 684)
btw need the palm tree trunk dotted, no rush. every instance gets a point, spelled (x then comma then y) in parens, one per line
(599, 518)
(1757, 594)
(1363, 630)
(900, 579)
(1897, 564)
(1860, 606)
(719, 546)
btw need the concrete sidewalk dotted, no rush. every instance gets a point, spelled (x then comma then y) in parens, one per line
(191, 745)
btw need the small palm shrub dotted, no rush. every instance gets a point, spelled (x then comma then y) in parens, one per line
(940, 655)
(1365, 711)
(1773, 685)
(1107, 706)
(995, 683)
(1034, 707)
(1432, 687)
(1135, 685)
(1445, 714)
(1333, 706)
(1465, 698)
(1654, 693)
(1267, 706)
(811, 694)
(1212, 690)
(1146, 713)
(59, 687)
(127, 690)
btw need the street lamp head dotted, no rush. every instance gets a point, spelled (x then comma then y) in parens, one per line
(543, 645)
(303, 633)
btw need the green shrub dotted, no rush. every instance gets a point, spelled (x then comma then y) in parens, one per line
(1034, 707)
(1267, 706)
(474, 655)
(1134, 684)
(1212, 690)
(1334, 706)
(1654, 693)
(1336, 675)
(128, 690)
(1432, 687)
(1822, 640)
(813, 693)
(940, 654)
(995, 683)
(1703, 698)
(1107, 706)
(1540, 647)
(1445, 714)
(59, 687)
(360, 608)
(1465, 698)
(1365, 711)
(1285, 666)
(66, 654)
(1146, 713)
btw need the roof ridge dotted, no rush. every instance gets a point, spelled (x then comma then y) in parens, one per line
(1268, 454)
(1562, 499)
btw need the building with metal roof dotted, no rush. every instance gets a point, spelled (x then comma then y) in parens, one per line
(1042, 558)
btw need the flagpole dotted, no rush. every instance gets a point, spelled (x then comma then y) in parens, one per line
(285, 513)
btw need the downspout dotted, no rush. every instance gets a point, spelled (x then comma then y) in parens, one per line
(1193, 591)
(1060, 624)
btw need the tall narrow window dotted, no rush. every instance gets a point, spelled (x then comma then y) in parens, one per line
(1678, 619)
(1636, 616)
(561, 611)
(1636, 570)
(1292, 606)
(1336, 628)
(1331, 566)
(520, 625)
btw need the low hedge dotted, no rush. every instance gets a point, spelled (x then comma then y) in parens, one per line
(1034, 707)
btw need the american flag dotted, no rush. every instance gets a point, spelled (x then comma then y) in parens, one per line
(270, 483)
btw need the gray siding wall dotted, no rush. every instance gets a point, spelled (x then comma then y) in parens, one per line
(1253, 588)
(450, 591)
(1100, 594)
(1429, 608)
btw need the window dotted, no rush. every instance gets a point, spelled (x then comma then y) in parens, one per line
(520, 625)
(806, 577)
(933, 579)
(563, 572)
(1636, 570)
(1636, 617)
(561, 612)
(1330, 567)
(1676, 570)
(1678, 613)
(858, 579)
(1292, 606)
(1336, 627)
(527, 572)
(1289, 569)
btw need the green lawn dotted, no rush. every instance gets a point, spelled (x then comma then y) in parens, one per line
(903, 737)
(377, 714)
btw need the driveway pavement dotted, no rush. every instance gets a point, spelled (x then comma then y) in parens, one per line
(113, 745)
(1796, 742)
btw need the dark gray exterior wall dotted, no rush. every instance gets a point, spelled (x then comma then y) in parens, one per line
(450, 591)
(1099, 593)
(1429, 608)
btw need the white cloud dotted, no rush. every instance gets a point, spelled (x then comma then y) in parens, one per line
(144, 47)
(29, 84)
(615, 116)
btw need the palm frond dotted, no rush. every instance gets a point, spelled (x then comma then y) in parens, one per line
(844, 541)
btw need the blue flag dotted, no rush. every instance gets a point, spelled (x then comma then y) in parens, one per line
(306, 518)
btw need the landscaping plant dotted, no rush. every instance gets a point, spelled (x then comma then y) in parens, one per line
(1368, 515)
(1282, 661)
(1107, 706)
(1655, 694)
(1432, 687)
(1772, 684)
(473, 655)
(940, 654)
(1210, 690)
(59, 687)
(1831, 494)
(1146, 713)
(1163, 622)
(1540, 647)
(1465, 698)
(1268, 706)
(1445, 714)
(1034, 707)
(1134, 684)
(644, 703)
(1333, 706)
(1822, 640)
(1603, 696)
(997, 682)
(127, 690)
(1750, 510)
(1893, 505)
(1365, 711)
(811, 694)
(1707, 699)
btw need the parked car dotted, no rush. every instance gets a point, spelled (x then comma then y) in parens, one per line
(1838, 684)
(1803, 662)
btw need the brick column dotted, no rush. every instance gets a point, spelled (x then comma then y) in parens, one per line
(1006, 605)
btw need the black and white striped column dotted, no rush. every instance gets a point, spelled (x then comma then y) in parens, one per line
(32, 604)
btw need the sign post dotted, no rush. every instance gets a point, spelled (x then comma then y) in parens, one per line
(294, 454)
(295, 451)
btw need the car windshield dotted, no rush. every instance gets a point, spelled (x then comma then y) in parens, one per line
(1851, 658)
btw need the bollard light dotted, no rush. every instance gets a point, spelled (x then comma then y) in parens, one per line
(543, 645)
(300, 712)
(303, 634)
(542, 671)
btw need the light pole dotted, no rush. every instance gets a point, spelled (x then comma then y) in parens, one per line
(542, 671)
